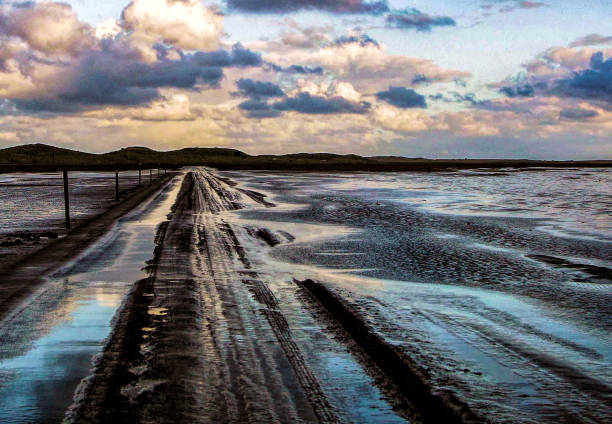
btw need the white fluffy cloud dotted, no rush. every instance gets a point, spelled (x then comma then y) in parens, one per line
(367, 65)
(51, 28)
(184, 23)
(108, 28)
(341, 89)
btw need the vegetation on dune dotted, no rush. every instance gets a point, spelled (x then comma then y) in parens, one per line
(42, 157)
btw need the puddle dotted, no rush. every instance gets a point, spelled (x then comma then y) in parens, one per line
(158, 311)
(47, 348)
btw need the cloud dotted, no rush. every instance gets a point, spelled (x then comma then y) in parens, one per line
(51, 28)
(332, 6)
(563, 72)
(112, 77)
(522, 5)
(175, 107)
(593, 83)
(298, 36)
(242, 57)
(403, 121)
(467, 98)
(297, 69)
(259, 109)
(108, 28)
(414, 19)
(366, 64)
(308, 98)
(557, 62)
(362, 39)
(578, 114)
(420, 79)
(519, 91)
(307, 103)
(401, 97)
(531, 5)
(258, 89)
(183, 23)
(592, 40)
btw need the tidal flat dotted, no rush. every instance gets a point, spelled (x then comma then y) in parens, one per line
(255, 296)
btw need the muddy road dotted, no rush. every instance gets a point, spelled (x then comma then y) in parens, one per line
(204, 338)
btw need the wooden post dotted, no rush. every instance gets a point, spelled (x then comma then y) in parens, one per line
(150, 175)
(157, 171)
(139, 174)
(66, 199)
(117, 185)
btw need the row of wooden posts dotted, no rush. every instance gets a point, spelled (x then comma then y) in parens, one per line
(67, 196)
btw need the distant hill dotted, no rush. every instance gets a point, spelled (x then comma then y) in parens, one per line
(42, 154)
(45, 156)
(42, 157)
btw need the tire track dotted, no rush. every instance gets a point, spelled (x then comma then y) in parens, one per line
(191, 343)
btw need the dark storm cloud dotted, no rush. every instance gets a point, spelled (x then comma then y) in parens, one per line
(519, 91)
(593, 83)
(307, 103)
(333, 6)
(109, 77)
(259, 109)
(402, 97)
(414, 19)
(258, 89)
(238, 57)
(578, 114)
(302, 103)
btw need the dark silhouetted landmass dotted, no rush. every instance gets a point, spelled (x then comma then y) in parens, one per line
(42, 157)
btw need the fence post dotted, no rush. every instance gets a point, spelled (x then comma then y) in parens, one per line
(139, 174)
(66, 199)
(117, 185)
(150, 175)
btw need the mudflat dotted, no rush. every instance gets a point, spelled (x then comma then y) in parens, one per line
(279, 298)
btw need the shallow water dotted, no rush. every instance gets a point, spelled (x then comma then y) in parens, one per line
(35, 201)
(48, 345)
(454, 284)
(573, 201)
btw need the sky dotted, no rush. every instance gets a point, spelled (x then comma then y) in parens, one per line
(422, 78)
